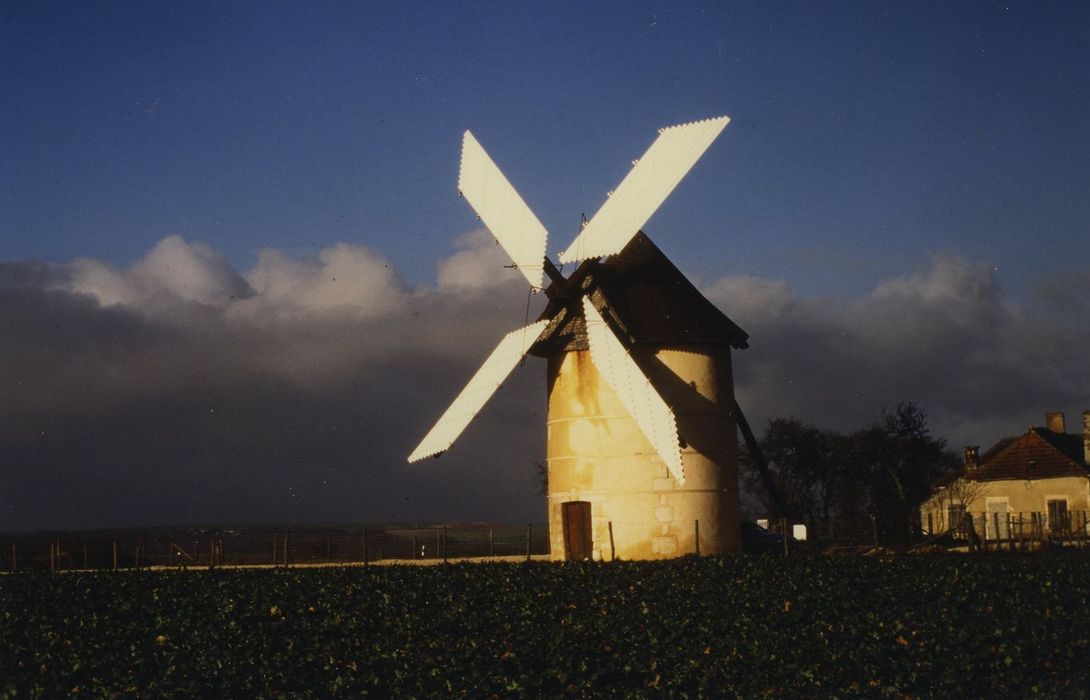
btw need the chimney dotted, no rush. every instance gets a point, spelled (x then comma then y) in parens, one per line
(972, 453)
(1054, 421)
(1086, 437)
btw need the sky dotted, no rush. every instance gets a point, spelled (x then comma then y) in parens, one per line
(237, 282)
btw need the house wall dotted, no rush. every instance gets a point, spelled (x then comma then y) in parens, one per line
(1032, 496)
(597, 453)
(1022, 496)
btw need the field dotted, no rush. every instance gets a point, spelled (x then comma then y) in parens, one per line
(1004, 625)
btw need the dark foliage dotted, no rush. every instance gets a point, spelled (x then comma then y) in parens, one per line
(712, 627)
(864, 486)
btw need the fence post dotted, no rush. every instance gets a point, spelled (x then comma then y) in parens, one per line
(286, 565)
(491, 544)
(696, 526)
(113, 548)
(13, 560)
(365, 562)
(444, 543)
(275, 552)
(529, 534)
(612, 548)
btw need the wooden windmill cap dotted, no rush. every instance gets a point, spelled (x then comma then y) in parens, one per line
(649, 298)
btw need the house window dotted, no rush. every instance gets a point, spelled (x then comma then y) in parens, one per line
(955, 515)
(1057, 515)
(997, 517)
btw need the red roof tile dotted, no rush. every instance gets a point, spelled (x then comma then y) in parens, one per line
(1039, 454)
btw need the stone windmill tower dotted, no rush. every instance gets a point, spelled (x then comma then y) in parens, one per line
(642, 447)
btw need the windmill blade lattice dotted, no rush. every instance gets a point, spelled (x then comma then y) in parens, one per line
(502, 210)
(524, 238)
(480, 388)
(647, 185)
(654, 418)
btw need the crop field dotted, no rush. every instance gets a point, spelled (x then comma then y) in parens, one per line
(932, 625)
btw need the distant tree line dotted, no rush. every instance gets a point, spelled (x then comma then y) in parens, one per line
(864, 486)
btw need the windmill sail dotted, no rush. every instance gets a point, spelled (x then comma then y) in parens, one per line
(646, 186)
(654, 418)
(484, 383)
(502, 210)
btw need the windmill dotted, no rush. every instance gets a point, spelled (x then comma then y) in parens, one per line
(641, 420)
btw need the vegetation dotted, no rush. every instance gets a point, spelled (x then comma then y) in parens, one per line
(717, 626)
(861, 486)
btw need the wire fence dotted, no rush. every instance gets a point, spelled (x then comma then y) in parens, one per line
(267, 547)
(1018, 531)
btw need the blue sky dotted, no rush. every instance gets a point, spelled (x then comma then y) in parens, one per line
(864, 136)
(232, 250)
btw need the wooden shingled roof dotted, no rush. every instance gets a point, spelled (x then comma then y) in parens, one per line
(1038, 454)
(647, 298)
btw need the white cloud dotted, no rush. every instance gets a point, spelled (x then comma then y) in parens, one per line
(192, 272)
(100, 281)
(173, 271)
(480, 263)
(346, 279)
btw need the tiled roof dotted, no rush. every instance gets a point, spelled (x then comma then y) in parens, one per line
(649, 298)
(1039, 454)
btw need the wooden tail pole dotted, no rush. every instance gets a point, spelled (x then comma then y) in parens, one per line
(761, 463)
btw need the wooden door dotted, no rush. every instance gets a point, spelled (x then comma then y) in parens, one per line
(578, 541)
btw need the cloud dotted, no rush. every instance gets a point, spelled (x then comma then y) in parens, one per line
(180, 390)
(481, 263)
(345, 279)
(172, 271)
(945, 337)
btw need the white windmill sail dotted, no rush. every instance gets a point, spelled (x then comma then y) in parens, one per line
(622, 374)
(484, 383)
(502, 210)
(652, 178)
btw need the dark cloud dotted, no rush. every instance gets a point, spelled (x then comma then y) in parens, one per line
(293, 393)
(181, 391)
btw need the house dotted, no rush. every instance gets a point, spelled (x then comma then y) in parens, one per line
(1029, 486)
